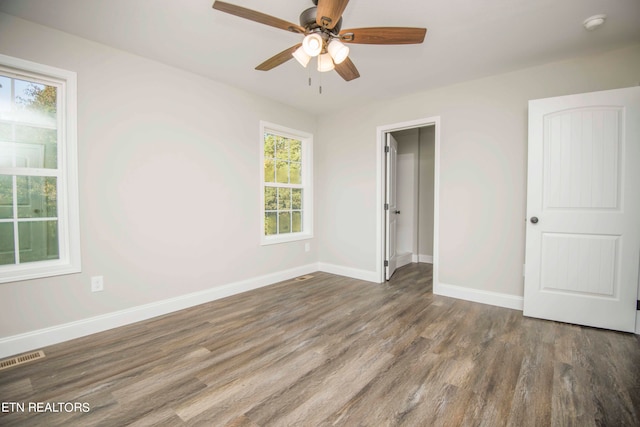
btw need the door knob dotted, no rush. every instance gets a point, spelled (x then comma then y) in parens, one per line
(534, 220)
(397, 212)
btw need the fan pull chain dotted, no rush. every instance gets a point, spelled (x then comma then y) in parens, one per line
(319, 82)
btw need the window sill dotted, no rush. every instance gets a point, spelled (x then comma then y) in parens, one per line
(45, 269)
(294, 237)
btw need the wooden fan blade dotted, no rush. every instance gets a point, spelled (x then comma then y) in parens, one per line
(347, 70)
(329, 12)
(278, 59)
(384, 35)
(262, 18)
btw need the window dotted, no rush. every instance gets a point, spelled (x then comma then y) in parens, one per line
(39, 234)
(286, 184)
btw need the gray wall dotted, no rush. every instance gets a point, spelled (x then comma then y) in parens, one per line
(426, 190)
(420, 143)
(169, 183)
(483, 163)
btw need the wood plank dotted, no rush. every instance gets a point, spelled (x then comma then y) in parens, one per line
(337, 351)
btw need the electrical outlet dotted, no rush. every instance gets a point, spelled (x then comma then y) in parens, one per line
(307, 247)
(97, 283)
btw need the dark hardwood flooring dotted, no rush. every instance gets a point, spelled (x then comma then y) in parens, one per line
(336, 351)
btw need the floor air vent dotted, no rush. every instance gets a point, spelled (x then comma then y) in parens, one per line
(19, 360)
(303, 278)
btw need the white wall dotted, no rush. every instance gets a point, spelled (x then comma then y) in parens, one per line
(169, 183)
(482, 162)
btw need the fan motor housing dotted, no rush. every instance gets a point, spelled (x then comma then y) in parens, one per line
(308, 20)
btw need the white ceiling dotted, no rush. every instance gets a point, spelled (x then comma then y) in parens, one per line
(466, 39)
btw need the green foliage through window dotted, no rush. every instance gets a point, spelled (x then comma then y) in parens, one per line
(28, 143)
(283, 185)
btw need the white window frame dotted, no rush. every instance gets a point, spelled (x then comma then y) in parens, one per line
(69, 260)
(307, 183)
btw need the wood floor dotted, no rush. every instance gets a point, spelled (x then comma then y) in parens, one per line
(336, 351)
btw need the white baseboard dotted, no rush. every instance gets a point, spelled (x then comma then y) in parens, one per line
(33, 340)
(428, 259)
(29, 341)
(491, 298)
(476, 295)
(354, 273)
(404, 259)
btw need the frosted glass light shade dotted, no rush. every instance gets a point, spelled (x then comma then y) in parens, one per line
(325, 63)
(312, 44)
(301, 56)
(338, 51)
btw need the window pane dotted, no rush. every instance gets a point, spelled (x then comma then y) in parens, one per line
(296, 198)
(296, 219)
(282, 172)
(5, 96)
(284, 199)
(43, 154)
(37, 197)
(7, 251)
(38, 146)
(270, 223)
(282, 148)
(38, 241)
(6, 154)
(6, 196)
(269, 171)
(270, 202)
(5, 130)
(296, 176)
(269, 146)
(295, 148)
(284, 222)
(35, 103)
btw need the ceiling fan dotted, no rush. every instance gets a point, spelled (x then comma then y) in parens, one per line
(324, 39)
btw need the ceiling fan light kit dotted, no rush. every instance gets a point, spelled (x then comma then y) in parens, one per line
(325, 63)
(338, 51)
(312, 44)
(324, 39)
(301, 56)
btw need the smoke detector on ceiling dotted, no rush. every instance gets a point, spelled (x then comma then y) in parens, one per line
(594, 22)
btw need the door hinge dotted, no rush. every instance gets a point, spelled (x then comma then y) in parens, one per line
(386, 148)
(386, 206)
(386, 263)
(638, 305)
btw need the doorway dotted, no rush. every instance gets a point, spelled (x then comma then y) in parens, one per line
(415, 193)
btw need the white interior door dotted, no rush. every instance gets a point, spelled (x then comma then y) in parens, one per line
(391, 206)
(583, 209)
